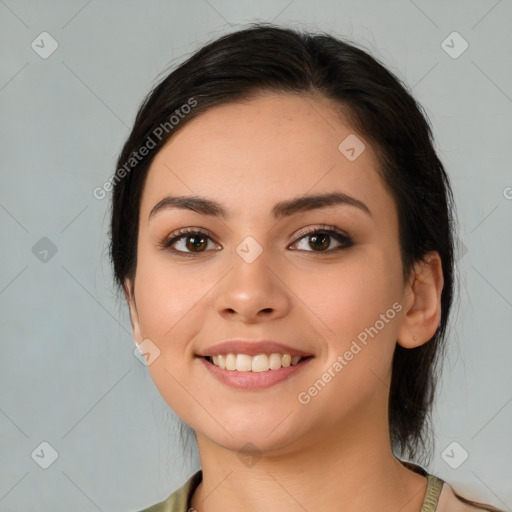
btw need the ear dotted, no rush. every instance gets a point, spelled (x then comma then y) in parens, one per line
(129, 291)
(422, 304)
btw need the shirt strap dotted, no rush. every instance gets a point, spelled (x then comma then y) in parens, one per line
(434, 488)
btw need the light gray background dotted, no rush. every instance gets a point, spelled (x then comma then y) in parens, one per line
(68, 373)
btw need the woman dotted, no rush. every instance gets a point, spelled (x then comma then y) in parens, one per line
(282, 230)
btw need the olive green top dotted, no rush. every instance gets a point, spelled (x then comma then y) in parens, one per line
(179, 500)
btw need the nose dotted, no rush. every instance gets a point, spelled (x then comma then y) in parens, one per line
(253, 292)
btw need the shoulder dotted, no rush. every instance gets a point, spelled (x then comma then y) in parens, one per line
(441, 497)
(450, 501)
(179, 500)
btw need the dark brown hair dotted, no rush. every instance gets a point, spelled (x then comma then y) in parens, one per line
(377, 105)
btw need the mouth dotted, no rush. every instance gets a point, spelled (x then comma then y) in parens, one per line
(254, 364)
(268, 371)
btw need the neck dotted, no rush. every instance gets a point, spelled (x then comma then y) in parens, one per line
(328, 471)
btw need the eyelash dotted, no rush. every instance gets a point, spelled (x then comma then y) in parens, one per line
(345, 240)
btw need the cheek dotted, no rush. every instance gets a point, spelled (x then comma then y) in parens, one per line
(167, 299)
(171, 309)
(355, 315)
(349, 297)
(356, 308)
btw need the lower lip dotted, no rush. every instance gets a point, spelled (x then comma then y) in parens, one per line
(254, 380)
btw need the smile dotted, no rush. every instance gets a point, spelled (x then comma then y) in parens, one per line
(268, 371)
(257, 363)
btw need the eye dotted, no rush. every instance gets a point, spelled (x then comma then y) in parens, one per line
(187, 240)
(320, 239)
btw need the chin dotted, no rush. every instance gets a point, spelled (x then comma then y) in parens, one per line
(269, 437)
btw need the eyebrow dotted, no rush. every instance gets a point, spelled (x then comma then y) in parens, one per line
(206, 206)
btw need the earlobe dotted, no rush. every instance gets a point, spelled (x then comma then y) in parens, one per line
(132, 307)
(423, 311)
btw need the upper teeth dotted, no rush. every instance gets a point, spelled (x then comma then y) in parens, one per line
(259, 363)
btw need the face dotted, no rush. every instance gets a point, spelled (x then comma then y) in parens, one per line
(261, 273)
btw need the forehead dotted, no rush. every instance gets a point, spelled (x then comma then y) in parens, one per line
(260, 151)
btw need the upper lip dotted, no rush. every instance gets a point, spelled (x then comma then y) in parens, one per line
(251, 348)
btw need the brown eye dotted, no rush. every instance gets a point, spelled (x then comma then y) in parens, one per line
(320, 240)
(195, 243)
(187, 241)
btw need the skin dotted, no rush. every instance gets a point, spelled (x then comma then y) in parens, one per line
(335, 449)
